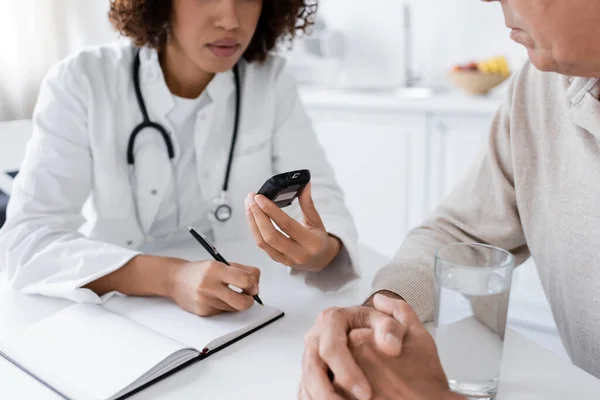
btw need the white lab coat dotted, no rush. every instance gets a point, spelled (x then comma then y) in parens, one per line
(77, 156)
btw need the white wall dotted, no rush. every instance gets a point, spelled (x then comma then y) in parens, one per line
(374, 52)
(34, 35)
(445, 32)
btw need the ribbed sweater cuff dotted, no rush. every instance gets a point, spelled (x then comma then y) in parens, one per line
(415, 287)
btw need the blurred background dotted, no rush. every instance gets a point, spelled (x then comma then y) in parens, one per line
(355, 45)
(415, 82)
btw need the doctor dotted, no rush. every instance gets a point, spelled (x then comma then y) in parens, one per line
(176, 130)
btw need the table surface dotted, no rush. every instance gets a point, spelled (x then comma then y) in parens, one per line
(267, 364)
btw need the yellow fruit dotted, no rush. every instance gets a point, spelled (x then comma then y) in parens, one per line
(495, 66)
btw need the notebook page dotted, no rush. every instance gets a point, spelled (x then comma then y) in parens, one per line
(165, 317)
(92, 349)
(254, 317)
(167, 365)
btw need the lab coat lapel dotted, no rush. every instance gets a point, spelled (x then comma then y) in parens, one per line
(213, 131)
(153, 169)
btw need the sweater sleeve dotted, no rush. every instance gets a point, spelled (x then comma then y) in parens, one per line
(482, 208)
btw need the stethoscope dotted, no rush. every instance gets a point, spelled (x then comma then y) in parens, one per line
(222, 210)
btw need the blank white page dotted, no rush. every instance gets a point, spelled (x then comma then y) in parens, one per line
(165, 317)
(85, 348)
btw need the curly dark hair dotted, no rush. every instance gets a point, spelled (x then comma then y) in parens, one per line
(146, 23)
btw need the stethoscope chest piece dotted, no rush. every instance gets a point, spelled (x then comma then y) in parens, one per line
(221, 211)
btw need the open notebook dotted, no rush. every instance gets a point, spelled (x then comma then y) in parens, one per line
(88, 351)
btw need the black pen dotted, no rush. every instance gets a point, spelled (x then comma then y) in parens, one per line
(214, 253)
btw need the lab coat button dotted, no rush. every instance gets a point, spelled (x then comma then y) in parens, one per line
(130, 243)
(154, 192)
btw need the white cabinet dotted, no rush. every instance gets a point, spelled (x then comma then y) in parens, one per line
(371, 156)
(454, 143)
(396, 159)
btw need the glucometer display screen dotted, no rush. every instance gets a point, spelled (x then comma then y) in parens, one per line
(285, 196)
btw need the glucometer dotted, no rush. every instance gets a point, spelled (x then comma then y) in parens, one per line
(284, 188)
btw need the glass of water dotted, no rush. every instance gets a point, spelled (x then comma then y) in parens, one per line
(472, 287)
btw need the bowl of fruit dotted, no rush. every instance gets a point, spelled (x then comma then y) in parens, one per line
(479, 78)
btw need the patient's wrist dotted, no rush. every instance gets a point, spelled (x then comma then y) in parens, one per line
(390, 294)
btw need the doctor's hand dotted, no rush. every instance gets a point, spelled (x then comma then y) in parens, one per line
(307, 245)
(202, 287)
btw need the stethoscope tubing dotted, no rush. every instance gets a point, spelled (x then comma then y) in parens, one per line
(148, 123)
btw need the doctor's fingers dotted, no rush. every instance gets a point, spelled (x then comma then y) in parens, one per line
(311, 215)
(286, 223)
(217, 305)
(239, 301)
(260, 242)
(240, 278)
(255, 272)
(270, 236)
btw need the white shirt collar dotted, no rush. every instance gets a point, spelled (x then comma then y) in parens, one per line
(219, 88)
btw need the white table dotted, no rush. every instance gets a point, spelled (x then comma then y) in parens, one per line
(266, 365)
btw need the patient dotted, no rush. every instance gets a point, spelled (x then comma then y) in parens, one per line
(534, 191)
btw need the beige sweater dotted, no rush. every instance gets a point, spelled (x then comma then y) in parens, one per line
(535, 190)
